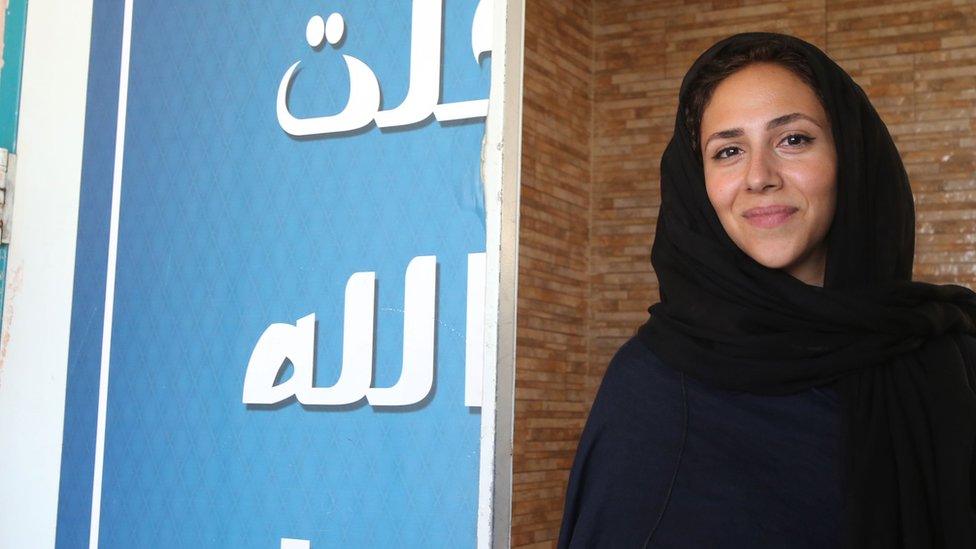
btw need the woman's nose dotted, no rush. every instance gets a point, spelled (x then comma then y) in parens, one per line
(761, 174)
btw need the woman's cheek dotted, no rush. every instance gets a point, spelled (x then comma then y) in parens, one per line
(721, 192)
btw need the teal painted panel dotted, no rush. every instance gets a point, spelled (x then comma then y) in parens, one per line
(13, 58)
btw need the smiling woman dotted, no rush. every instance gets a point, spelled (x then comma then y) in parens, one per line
(770, 168)
(794, 387)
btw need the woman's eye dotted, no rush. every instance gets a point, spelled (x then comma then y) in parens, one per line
(796, 139)
(727, 152)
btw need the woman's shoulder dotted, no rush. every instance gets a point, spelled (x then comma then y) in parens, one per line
(638, 382)
(635, 363)
(627, 452)
(634, 350)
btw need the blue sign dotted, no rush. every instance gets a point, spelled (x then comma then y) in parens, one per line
(276, 336)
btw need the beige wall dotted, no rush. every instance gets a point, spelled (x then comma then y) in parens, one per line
(601, 81)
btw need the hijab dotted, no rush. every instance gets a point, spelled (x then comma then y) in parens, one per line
(901, 354)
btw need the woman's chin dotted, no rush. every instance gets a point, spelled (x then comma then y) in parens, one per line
(807, 267)
(773, 258)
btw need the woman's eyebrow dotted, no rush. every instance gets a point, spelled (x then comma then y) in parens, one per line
(774, 123)
(787, 118)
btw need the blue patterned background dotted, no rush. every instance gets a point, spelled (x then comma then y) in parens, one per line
(228, 225)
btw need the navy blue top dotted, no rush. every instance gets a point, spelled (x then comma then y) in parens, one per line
(703, 467)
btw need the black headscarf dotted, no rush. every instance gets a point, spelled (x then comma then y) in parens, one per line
(901, 353)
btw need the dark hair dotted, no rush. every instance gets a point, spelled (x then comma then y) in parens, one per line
(769, 49)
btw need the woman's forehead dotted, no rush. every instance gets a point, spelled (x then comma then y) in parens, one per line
(757, 95)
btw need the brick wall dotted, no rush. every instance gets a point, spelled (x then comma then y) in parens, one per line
(917, 62)
(551, 351)
(601, 82)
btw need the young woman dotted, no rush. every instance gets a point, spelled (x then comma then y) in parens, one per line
(793, 388)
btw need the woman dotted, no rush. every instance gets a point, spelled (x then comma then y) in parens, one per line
(793, 388)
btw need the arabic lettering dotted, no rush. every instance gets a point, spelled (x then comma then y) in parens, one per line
(316, 30)
(480, 44)
(361, 105)
(423, 92)
(282, 342)
(425, 76)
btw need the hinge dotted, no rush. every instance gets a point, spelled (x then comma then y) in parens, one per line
(8, 170)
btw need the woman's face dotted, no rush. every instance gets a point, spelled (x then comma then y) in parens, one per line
(771, 168)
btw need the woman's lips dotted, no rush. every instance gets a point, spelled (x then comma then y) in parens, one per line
(768, 217)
